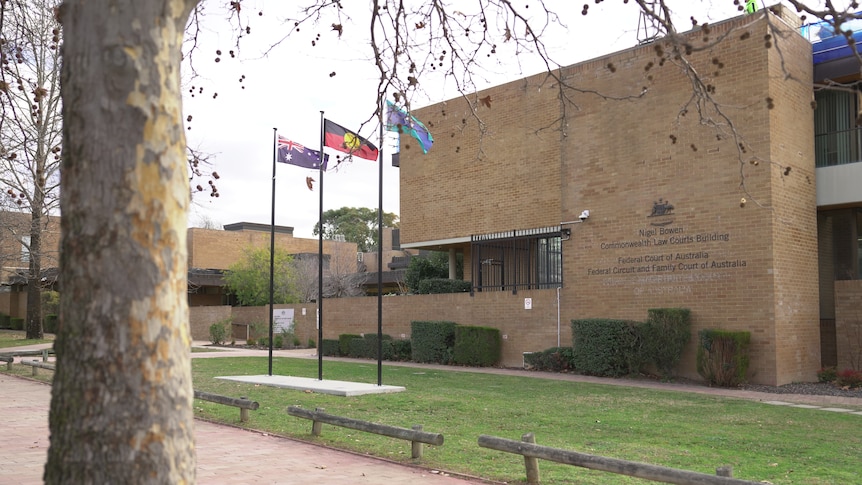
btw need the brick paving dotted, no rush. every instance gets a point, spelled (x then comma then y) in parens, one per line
(225, 454)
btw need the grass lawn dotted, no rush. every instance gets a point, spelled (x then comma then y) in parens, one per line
(779, 444)
(16, 338)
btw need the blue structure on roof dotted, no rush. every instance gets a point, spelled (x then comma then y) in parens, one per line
(828, 45)
(833, 56)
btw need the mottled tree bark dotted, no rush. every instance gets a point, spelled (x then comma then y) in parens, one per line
(121, 408)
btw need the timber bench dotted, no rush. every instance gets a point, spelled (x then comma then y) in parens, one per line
(242, 403)
(36, 365)
(415, 436)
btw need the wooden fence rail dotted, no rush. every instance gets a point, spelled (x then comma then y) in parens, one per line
(36, 365)
(415, 436)
(9, 356)
(532, 451)
(242, 403)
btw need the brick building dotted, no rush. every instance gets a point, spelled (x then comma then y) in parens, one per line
(712, 207)
(211, 251)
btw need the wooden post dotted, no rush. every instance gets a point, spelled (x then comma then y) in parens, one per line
(35, 370)
(724, 471)
(317, 425)
(44, 355)
(416, 446)
(531, 463)
(243, 412)
(9, 365)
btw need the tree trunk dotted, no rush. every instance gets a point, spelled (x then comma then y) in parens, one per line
(121, 408)
(34, 274)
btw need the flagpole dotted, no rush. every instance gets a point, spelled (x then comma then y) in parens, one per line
(272, 246)
(380, 257)
(320, 256)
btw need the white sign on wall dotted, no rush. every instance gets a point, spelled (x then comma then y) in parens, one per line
(282, 320)
(528, 303)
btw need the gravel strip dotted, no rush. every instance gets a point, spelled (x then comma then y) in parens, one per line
(806, 388)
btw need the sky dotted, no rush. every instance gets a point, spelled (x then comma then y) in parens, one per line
(285, 85)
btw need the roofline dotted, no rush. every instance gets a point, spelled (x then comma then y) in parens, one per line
(438, 242)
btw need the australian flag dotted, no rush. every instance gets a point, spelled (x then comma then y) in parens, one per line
(296, 154)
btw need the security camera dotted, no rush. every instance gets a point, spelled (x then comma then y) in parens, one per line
(584, 214)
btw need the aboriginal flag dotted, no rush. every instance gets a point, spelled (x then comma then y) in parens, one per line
(344, 140)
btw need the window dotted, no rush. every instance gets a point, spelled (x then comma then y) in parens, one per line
(521, 259)
(836, 136)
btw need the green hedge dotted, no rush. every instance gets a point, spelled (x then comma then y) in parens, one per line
(722, 357)
(5, 321)
(400, 350)
(607, 347)
(554, 359)
(442, 285)
(432, 341)
(16, 323)
(666, 333)
(51, 322)
(344, 343)
(477, 346)
(358, 348)
(329, 347)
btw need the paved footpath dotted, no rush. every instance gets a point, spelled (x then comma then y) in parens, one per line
(224, 454)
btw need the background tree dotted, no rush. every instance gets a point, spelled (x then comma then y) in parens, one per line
(30, 131)
(357, 225)
(248, 278)
(432, 265)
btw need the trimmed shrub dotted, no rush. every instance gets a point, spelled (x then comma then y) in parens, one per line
(722, 357)
(400, 349)
(358, 348)
(344, 343)
(329, 347)
(16, 323)
(5, 321)
(849, 378)
(477, 346)
(279, 342)
(371, 346)
(606, 347)
(554, 359)
(219, 331)
(251, 341)
(432, 341)
(311, 344)
(51, 322)
(666, 333)
(827, 374)
(442, 285)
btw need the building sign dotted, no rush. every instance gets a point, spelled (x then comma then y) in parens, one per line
(664, 256)
(282, 320)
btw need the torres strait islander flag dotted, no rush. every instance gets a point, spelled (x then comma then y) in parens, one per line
(344, 140)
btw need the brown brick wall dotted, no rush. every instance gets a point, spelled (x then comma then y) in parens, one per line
(217, 249)
(750, 266)
(848, 323)
(200, 319)
(523, 330)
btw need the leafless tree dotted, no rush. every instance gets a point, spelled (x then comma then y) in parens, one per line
(30, 130)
